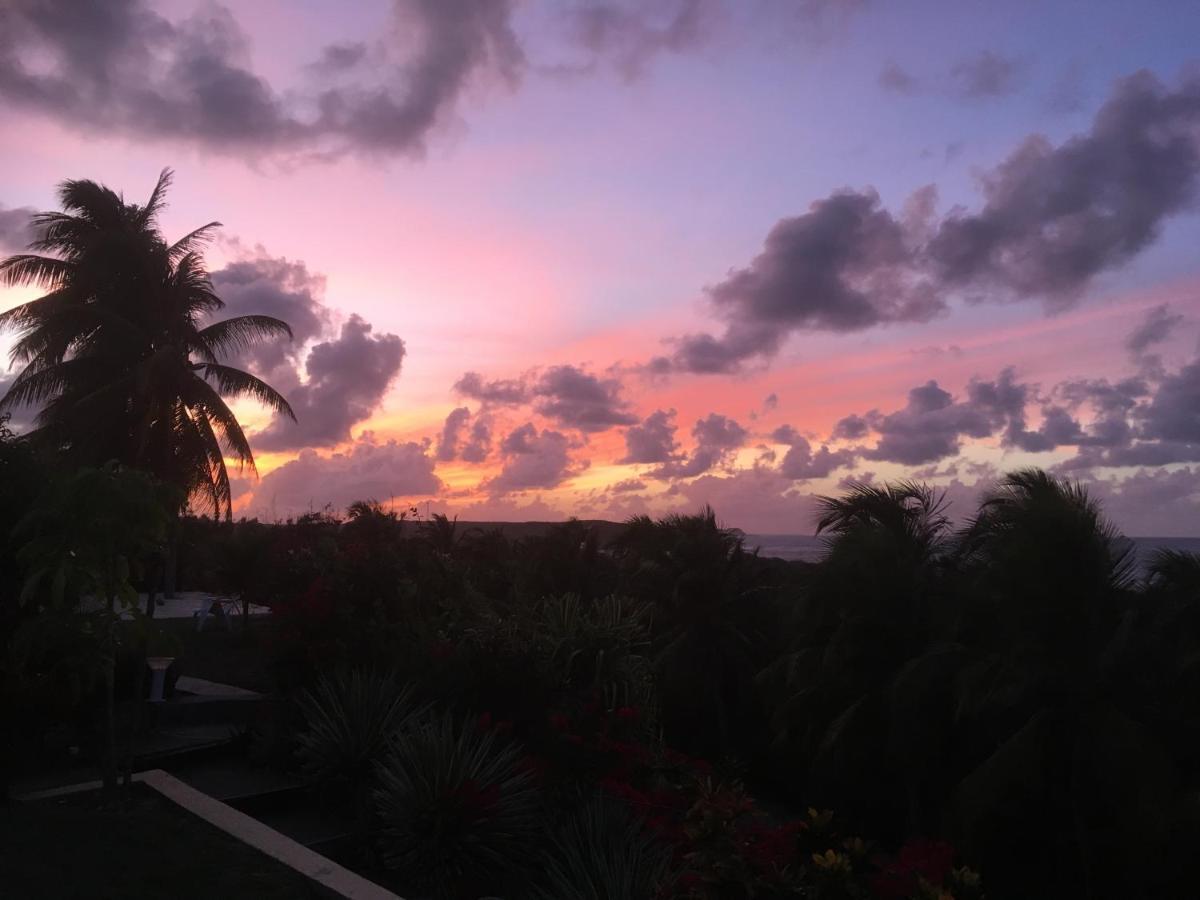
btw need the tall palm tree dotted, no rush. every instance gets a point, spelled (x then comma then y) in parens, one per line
(120, 353)
(708, 617)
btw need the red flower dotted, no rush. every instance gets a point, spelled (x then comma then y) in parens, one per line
(931, 860)
(772, 847)
(627, 713)
(559, 722)
(485, 722)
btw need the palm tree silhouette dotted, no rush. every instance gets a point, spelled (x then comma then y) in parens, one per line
(117, 352)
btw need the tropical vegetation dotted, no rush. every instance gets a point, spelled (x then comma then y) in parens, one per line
(946, 703)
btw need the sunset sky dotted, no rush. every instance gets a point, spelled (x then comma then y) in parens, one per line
(585, 258)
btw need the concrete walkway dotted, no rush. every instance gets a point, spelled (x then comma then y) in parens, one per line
(201, 687)
(334, 878)
(184, 604)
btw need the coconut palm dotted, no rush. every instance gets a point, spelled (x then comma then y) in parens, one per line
(120, 353)
(869, 604)
(708, 623)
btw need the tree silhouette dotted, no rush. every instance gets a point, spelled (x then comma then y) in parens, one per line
(119, 352)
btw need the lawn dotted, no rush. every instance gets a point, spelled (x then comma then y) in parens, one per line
(143, 846)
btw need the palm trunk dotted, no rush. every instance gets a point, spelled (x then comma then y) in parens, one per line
(135, 727)
(109, 755)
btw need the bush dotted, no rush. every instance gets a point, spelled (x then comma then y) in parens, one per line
(458, 812)
(350, 718)
(603, 853)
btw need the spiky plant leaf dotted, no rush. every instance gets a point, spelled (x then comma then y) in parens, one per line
(350, 718)
(458, 812)
(603, 853)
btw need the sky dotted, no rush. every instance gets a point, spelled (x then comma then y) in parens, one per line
(599, 258)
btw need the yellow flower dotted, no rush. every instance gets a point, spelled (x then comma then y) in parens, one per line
(831, 861)
(820, 819)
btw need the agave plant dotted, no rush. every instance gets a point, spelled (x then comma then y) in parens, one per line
(603, 853)
(458, 812)
(350, 718)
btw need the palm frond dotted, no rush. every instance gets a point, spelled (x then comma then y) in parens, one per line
(242, 384)
(30, 268)
(202, 399)
(148, 214)
(33, 387)
(193, 241)
(95, 204)
(231, 336)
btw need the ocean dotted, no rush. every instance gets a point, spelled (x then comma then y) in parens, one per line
(809, 548)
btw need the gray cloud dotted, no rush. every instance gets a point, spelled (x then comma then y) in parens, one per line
(893, 78)
(1135, 421)
(651, 441)
(567, 394)
(932, 424)
(631, 35)
(347, 379)
(501, 392)
(1055, 217)
(365, 471)
(1173, 413)
(119, 66)
(845, 265)
(1154, 328)
(800, 463)
(456, 420)
(273, 286)
(627, 486)
(716, 437)
(851, 428)
(15, 230)
(533, 460)
(988, 74)
(477, 443)
(575, 399)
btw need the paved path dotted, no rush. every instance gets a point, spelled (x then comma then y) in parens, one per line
(184, 604)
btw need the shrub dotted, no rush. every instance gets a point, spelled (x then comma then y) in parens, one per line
(349, 720)
(603, 853)
(459, 812)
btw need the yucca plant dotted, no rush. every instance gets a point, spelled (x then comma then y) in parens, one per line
(350, 717)
(459, 814)
(601, 644)
(603, 853)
